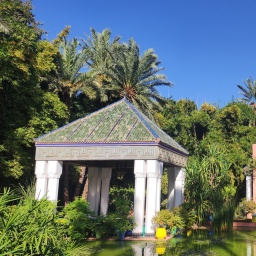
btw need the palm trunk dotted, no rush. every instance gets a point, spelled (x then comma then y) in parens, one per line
(80, 182)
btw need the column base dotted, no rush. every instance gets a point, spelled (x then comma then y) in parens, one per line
(136, 234)
(150, 234)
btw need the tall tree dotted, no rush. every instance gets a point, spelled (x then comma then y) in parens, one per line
(136, 77)
(67, 79)
(98, 47)
(119, 70)
(26, 111)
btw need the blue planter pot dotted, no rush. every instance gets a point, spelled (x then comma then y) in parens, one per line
(121, 235)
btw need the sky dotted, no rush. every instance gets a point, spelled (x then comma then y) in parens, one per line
(206, 47)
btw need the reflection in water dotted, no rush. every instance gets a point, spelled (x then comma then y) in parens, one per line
(197, 242)
(248, 248)
(149, 249)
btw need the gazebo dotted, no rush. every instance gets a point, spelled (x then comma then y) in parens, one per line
(116, 133)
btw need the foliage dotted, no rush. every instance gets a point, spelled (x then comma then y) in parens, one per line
(26, 110)
(77, 219)
(28, 227)
(121, 216)
(248, 91)
(209, 183)
(169, 219)
(136, 77)
(18, 47)
(244, 207)
(119, 70)
(223, 216)
(118, 194)
(104, 226)
(231, 128)
(188, 214)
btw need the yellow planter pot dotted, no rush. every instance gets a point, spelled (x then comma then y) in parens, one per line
(161, 233)
(160, 250)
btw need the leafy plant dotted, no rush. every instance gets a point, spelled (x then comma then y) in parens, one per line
(244, 207)
(169, 219)
(121, 219)
(28, 227)
(104, 227)
(77, 219)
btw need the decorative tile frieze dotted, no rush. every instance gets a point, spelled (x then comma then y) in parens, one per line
(167, 156)
(97, 153)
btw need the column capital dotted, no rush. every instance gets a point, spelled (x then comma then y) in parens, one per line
(105, 179)
(139, 166)
(54, 169)
(41, 169)
(154, 169)
(106, 173)
(140, 175)
(93, 172)
(152, 175)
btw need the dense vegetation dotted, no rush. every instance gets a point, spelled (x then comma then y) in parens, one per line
(44, 85)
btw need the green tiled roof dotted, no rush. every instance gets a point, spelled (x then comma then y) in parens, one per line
(120, 122)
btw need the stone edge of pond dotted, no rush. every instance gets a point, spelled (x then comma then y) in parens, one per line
(131, 238)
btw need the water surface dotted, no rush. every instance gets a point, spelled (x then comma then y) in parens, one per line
(200, 242)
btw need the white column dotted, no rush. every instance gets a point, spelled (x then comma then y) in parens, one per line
(98, 190)
(54, 170)
(93, 188)
(158, 189)
(178, 186)
(152, 176)
(183, 184)
(248, 187)
(41, 179)
(148, 251)
(171, 180)
(105, 178)
(139, 195)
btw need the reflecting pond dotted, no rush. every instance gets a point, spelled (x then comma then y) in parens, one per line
(200, 242)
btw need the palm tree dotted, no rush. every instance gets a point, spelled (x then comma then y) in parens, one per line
(136, 77)
(97, 49)
(69, 73)
(118, 70)
(249, 91)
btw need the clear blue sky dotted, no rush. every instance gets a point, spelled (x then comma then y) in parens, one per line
(206, 47)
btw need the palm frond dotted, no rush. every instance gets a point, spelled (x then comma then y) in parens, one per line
(248, 91)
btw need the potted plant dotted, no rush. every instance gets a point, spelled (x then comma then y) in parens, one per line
(104, 226)
(166, 219)
(160, 220)
(246, 208)
(122, 221)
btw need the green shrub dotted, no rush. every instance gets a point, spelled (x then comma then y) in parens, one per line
(77, 219)
(169, 219)
(244, 207)
(120, 194)
(187, 213)
(28, 227)
(104, 226)
(121, 219)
